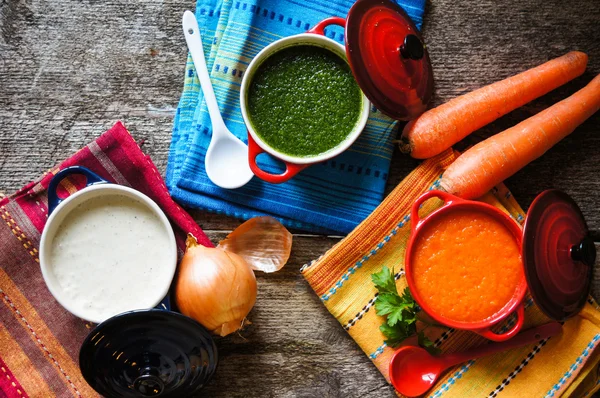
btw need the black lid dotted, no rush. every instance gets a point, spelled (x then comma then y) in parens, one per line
(148, 353)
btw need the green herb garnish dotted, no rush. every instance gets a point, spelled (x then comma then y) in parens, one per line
(400, 312)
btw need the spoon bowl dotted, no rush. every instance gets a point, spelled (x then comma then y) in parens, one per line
(413, 370)
(226, 162)
(417, 365)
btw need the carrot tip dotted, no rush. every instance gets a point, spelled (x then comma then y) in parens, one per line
(404, 145)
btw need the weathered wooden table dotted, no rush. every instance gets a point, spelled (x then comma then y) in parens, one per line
(69, 69)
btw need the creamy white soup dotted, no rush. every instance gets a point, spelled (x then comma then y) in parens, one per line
(110, 254)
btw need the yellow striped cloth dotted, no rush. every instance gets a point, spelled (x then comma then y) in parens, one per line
(564, 365)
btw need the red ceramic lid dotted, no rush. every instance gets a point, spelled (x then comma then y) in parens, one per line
(388, 58)
(558, 255)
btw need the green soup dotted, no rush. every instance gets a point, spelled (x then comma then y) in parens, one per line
(304, 101)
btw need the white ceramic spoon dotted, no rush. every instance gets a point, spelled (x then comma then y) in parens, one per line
(226, 160)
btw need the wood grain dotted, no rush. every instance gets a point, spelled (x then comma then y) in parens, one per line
(69, 69)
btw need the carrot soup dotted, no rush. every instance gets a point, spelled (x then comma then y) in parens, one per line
(467, 265)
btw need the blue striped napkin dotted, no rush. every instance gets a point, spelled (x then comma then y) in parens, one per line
(333, 196)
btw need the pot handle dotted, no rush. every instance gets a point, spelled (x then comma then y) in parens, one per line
(488, 334)
(165, 304)
(319, 28)
(91, 179)
(291, 169)
(445, 196)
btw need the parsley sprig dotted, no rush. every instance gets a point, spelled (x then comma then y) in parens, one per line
(400, 312)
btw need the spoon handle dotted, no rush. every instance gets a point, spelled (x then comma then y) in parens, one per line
(527, 337)
(194, 43)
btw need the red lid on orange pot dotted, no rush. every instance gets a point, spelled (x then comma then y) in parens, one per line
(388, 58)
(558, 255)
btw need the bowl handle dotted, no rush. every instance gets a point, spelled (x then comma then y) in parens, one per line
(488, 334)
(291, 169)
(165, 304)
(91, 179)
(446, 197)
(319, 28)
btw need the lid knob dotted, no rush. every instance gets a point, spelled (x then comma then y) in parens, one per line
(148, 384)
(585, 252)
(412, 48)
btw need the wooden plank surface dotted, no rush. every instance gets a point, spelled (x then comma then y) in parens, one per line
(69, 69)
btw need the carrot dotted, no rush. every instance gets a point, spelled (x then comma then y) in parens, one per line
(491, 161)
(439, 128)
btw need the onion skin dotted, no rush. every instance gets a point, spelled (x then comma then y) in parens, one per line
(214, 287)
(263, 242)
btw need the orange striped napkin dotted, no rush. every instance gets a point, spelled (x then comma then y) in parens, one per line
(564, 365)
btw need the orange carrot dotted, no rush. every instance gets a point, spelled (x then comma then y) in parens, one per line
(491, 161)
(439, 128)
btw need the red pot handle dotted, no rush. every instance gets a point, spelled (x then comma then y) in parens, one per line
(488, 334)
(445, 196)
(319, 28)
(291, 169)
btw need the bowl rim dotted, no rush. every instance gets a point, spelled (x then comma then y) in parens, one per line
(520, 289)
(110, 189)
(279, 45)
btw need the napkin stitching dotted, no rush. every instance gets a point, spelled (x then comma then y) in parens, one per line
(593, 302)
(367, 307)
(38, 340)
(443, 337)
(361, 313)
(569, 373)
(379, 351)
(210, 12)
(254, 9)
(536, 349)
(16, 230)
(310, 263)
(13, 381)
(37, 202)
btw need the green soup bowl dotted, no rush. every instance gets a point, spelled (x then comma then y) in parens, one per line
(256, 145)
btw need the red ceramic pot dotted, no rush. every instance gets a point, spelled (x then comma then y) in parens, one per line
(256, 145)
(515, 305)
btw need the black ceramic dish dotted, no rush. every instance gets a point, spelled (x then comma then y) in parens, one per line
(148, 353)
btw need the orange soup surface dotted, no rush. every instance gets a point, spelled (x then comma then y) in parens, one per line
(466, 265)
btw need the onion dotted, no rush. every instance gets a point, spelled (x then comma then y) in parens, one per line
(263, 242)
(214, 287)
